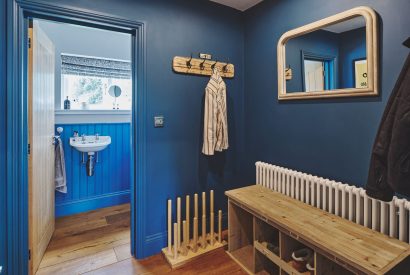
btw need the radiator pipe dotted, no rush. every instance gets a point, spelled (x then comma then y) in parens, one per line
(402, 223)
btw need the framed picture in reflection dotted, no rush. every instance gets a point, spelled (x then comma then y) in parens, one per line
(360, 73)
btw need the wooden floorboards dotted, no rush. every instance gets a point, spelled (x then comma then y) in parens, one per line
(98, 242)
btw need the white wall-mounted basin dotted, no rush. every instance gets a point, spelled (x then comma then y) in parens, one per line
(90, 144)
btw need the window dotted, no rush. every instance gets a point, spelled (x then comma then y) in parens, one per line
(86, 81)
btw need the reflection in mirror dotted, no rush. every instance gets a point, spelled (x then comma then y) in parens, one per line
(115, 92)
(330, 58)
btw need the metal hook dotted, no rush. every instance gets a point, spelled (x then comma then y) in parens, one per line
(202, 66)
(188, 63)
(225, 68)
(213, 65)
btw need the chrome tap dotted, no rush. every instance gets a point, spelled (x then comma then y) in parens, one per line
(83, 138)
(97, 136)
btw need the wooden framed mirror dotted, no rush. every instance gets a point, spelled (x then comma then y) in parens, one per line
(333, 57)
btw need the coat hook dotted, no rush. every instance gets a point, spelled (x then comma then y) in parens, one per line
(202, 66)
(225, 68)
(188, 63)
(213, 65)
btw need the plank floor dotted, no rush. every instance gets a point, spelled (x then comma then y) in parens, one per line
(98, 242)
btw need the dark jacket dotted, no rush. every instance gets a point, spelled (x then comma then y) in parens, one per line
(390, 161)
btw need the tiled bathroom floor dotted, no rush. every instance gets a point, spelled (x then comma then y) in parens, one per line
(98, 242)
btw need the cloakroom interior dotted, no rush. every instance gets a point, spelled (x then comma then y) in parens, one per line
(204, 137)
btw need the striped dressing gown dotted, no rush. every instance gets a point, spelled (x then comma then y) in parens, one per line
(215, 117)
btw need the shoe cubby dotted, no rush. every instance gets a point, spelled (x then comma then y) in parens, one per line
(263, 265)
(266, 236)
(240, 246)
(288, 245)
(325, 266)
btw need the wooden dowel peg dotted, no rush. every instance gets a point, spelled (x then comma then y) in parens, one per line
(196, 205)
(179, 222)
(169, 226)
(185, 241)
(212, 229)
(187, 218)
(175, 241)
(203, 231)
(220, 226)
(212, 202)
(195, 234)
(203, 204)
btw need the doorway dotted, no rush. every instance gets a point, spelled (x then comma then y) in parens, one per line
(17, 120)
(80, 98)
(318, 72)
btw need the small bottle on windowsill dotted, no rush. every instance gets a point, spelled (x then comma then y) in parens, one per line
(67, 104)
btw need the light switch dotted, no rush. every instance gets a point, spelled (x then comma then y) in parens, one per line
(158, 121)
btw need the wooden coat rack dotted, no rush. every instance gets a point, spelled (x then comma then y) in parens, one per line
(196, 66)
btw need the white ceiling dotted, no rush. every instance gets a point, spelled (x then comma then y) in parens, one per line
(241, 5)
(351, 24)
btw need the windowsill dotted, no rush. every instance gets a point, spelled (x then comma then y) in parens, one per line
(92, 116)
(93, 112)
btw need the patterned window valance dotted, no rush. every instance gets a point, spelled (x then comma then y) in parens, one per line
(91, 66)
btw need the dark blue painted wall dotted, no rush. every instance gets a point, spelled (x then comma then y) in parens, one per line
(352, 45)
(110, 184)
(2, 130)
(320, 42)
(331, 138)
(175, 165)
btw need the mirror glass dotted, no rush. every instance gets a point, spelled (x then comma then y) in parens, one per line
(330, 58)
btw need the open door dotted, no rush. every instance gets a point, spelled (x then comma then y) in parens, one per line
(41, 60)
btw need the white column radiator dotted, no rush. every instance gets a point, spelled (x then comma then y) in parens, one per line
(346, 201)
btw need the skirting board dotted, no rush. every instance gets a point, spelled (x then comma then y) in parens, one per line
(190, 256)
(79, 206)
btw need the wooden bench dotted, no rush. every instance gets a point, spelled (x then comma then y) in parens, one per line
(257, 215)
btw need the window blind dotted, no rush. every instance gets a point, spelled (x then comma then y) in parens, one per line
(92, 66)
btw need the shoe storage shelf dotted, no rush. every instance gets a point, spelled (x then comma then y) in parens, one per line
(266, 227)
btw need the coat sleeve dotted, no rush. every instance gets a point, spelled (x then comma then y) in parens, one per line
(208, 147)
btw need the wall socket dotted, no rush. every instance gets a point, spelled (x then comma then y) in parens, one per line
(205, 56)
(158, 121)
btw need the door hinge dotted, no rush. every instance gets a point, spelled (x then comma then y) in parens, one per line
(29, 42)
(28, 149)
(29, 254)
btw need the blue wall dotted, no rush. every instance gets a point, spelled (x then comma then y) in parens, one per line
(352, 46)
(2, 130)
(110, 184)
(333, 137)
(175, 165)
